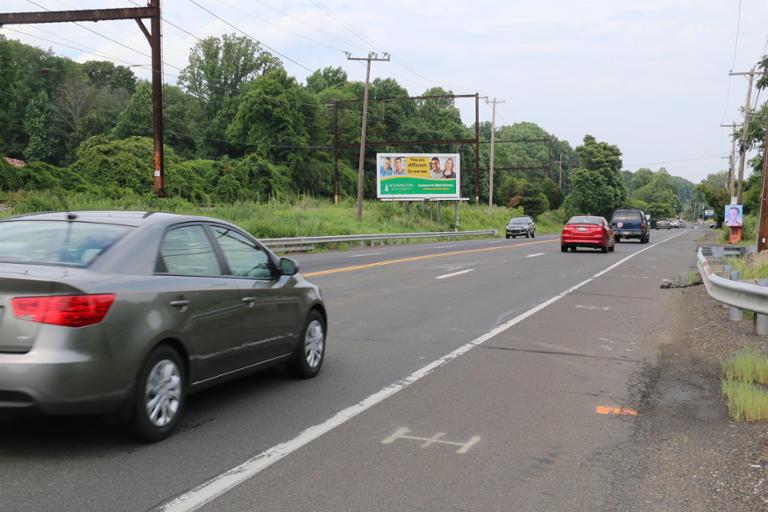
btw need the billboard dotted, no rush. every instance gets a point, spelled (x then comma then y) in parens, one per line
(734, 216)
(418, 175)
(709, 212)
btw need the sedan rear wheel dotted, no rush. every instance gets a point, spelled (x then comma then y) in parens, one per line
(563, 248)
(310, 351)
(160, 394)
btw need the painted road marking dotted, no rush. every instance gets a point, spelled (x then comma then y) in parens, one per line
(444, 246)
(618, 411)
(367, 254)
(592, 308)
(402, 433)
(223, 482)
(420, 258)
(536, 254)
(452, 274)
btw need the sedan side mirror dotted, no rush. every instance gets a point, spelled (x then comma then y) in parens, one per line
(288, 267)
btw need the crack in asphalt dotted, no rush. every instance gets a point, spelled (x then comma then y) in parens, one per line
(560, 353)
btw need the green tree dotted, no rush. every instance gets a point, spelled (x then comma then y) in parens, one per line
(217, 72)
(714, 192)
(641, 178)
(326, 78)
(598, 188)
(106, 74)
(38, 123)
(553, 193)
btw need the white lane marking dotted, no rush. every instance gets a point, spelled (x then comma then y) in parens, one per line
(218, 485)
(592, 308)
(452, 274)
(367, 254)
(536, 254)
(444, 246)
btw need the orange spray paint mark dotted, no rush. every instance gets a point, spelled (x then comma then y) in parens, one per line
(618, 411)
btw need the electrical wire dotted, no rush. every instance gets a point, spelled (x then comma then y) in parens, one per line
(106, 37)
(286, 57)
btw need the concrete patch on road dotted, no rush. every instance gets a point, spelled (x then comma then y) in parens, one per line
(402, 433)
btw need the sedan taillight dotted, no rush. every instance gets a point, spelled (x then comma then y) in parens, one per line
(66, 310)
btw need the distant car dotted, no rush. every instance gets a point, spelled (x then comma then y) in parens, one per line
(519, 226)
(125, 313)
(587, 231)
(663, 224)
(674, 223)
(629, 223)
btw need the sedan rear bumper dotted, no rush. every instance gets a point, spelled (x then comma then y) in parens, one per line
(62, 378)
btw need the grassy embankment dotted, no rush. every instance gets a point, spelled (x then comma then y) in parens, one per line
(299, 217)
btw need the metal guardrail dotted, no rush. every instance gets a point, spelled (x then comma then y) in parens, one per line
(740, 294)
(315, 240)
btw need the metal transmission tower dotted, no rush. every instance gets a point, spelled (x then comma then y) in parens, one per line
(493, 102)
(372, 57)
(151, 11)
(745, 129)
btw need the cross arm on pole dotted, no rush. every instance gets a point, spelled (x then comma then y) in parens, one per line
(127, 13)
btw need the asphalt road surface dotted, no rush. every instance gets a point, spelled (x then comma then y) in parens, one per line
(466, 375)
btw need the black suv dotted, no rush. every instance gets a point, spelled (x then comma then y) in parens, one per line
(630, 223)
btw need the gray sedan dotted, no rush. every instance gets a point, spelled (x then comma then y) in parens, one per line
(125, 313)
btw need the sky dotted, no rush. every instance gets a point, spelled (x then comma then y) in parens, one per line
(649, 76)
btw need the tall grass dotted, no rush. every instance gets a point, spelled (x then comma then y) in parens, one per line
(302, 216)
(757, 270)
(747, 365)
(746, 401)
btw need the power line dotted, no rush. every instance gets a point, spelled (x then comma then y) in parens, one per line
(106, 37)
(251, 37)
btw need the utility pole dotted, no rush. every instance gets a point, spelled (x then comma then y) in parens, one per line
(372, 57)
(732, 161)
(151, 11)
(762, 230)
(744, 132)
(494, 102)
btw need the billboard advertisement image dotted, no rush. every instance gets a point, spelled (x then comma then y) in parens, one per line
(418, 175)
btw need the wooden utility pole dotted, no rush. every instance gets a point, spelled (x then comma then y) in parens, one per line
(151, 11)
(732, 161)
(762, 230)
(361, 162)
(494, 102)
(744, 131)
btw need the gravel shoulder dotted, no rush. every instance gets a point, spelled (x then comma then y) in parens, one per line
(686, 453)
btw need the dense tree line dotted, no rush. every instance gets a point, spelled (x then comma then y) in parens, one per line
(237, 126)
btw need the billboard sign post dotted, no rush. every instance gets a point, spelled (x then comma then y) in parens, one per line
(418, 176)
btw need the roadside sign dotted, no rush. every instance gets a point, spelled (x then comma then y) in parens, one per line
(418, 176)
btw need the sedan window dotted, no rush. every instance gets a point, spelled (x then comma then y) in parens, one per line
(187, 251)
(244, 257)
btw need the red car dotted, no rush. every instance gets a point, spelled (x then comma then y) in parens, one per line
(587, 231)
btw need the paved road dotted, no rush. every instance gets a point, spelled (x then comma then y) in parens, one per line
(523, 402)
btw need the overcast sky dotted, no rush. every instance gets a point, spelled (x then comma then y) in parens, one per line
(650, 76)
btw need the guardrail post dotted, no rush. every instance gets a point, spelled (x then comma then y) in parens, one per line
(735, 314)
(761, 321)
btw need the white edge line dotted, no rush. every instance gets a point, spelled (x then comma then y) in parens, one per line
(536, 254)
(444, 276)
(218, 485)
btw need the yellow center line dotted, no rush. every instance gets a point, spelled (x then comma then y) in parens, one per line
(423, 257)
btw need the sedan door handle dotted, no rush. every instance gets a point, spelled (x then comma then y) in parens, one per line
(251, 301)
(179, 303)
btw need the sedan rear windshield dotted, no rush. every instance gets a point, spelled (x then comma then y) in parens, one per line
(53, 242)
(627, 215)
(583, 219)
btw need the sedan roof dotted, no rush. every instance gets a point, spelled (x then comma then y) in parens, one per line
(126, 218)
